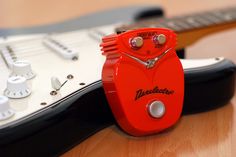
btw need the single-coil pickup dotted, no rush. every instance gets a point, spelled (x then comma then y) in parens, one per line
(60, 48)
(8, 55)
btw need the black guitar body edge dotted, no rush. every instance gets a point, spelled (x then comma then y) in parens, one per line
(82, 114)
(209, 88)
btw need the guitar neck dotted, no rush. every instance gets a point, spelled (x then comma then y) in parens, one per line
(190, 28)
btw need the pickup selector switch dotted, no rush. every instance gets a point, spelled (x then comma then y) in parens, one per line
(5, 110)
(17, 87)
(22, 68)
(56, 84)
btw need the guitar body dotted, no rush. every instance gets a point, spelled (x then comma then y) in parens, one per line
(67, 121)
(62, 127)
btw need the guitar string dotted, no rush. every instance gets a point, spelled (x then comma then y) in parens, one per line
(71, 43)
(41, 49)
(196, 20)
(37, 47)
(184, 26)
(214, 17)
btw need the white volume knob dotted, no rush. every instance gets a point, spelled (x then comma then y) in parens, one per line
(22, 68)
(17, 87)
(5, 110)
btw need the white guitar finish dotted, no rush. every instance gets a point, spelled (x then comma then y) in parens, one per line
(47, 64)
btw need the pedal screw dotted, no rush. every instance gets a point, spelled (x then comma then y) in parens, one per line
(70, 77)
(53, 93)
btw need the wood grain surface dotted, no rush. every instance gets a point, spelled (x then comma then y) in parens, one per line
(210, 134)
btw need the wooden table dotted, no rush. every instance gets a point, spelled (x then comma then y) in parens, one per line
(206, 134)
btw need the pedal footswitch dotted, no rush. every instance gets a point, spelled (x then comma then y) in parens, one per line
(143, 79)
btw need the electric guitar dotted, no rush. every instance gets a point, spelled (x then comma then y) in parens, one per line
(59, 86)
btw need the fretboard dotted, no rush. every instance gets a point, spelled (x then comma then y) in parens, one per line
(186, 26)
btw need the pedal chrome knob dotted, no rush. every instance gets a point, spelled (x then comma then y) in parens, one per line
(22, 68)
(136, 42)
(17, 87)
(5, 110)
(159, 39)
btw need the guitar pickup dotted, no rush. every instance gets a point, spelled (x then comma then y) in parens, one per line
(60, 48)
(8, 55)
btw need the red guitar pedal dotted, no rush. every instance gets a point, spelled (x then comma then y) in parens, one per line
(143, 79)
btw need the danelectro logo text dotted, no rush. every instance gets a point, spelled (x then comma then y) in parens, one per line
(140, 93)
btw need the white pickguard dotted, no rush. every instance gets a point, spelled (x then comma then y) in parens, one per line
(47, 63)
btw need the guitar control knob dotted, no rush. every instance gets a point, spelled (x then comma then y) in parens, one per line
(159, 39)
(22, 68)
(136, 42)
(5, 110)
(17, 87)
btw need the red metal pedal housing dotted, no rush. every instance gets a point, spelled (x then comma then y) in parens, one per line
(143, 79)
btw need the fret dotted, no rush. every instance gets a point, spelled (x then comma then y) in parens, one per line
(164, 25)
(232, 13)
(154, 26)
(173, 25)
(212, 18)
(203, 20)
(140, 24)
(193, 22)
(228, 17)
(148, 23)
(180, 24)
(224, 16)
(157, 25)
(183, 24)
